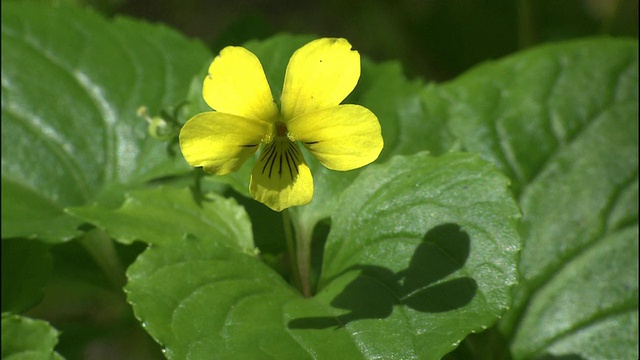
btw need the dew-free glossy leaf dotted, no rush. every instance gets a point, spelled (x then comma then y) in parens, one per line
(25, 338)
(422, 252)
(71, 84)
(562, 122)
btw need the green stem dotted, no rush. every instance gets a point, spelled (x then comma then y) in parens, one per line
(526, 32)
(299, 256)
(609, 20)
(303, 256)
(102, 249)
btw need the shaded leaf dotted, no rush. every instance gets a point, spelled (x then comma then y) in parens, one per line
(26, 267)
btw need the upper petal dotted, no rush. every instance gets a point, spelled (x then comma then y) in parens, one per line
(236, 84)
(319, 75)
(220, 142)
(343, 137)
(281, 178)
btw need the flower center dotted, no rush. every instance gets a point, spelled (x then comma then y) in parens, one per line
(280, 159)
(281, 129)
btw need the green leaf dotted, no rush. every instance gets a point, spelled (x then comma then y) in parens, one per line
(421, 253)
(521, 112)
(25, 338)
(26, 267)
(562, 122)
(589, 306)
(186, 292)
(162, 214)
(72, 82)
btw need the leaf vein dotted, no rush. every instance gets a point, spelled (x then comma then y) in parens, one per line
(57, 149)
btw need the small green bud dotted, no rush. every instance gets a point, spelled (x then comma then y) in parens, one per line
(158, 127)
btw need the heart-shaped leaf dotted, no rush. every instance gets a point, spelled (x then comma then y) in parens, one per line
(562, 121)
(422, 252)
(72, 82)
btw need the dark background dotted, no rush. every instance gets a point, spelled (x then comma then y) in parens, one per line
(434, 39)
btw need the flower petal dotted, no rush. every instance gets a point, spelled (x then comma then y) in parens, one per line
(343, 137)
(220, 142)
(236, 84)
(281, 178)
(319, 75)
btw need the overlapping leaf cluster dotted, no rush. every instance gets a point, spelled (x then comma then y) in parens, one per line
(424, 246)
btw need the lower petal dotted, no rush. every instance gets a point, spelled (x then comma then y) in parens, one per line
(343, 137)
(220, 142)
(281, 178)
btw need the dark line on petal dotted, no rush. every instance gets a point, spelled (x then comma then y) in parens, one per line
(266, 151)
(296, 155)
(272, 159)
(289, 160)
(294, 150)
(280, 168)
(270, 153)
(311, 142)
(249, 145)
(296, 167)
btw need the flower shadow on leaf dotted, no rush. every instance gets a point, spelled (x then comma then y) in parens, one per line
(376, 290)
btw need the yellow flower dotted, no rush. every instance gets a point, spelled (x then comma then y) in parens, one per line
(319, 76)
